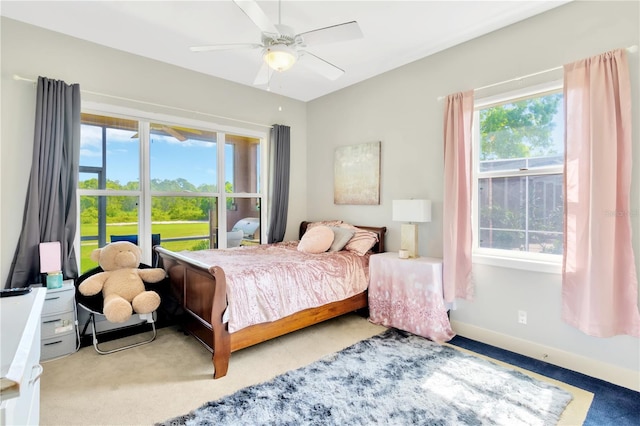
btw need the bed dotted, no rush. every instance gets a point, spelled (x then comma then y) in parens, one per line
(199, 281)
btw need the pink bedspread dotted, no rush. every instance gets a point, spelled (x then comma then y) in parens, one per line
(270, 281)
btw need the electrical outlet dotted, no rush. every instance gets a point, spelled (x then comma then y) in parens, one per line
(522, 317)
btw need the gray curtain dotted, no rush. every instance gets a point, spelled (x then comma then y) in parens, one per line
(280, 160)
(50, 212)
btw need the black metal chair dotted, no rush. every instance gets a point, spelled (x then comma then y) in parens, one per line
(94, 304)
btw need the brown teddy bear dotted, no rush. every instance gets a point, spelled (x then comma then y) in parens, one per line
(121, 282)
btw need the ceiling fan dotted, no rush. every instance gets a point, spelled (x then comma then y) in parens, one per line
(282, 47)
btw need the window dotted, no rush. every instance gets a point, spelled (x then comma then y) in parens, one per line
(518, 170)
(183, 186)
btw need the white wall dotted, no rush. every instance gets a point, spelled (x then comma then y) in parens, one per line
(400, 108)
(30, 52)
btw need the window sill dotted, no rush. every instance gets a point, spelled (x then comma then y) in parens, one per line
(536, 265)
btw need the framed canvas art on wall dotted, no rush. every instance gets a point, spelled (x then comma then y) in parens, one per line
(356, 178)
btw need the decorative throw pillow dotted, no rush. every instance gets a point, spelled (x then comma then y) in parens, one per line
(341, 237)
(316, 240)
(362, 240)
(324, 223)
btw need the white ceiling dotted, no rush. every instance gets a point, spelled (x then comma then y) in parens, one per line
(395, 33)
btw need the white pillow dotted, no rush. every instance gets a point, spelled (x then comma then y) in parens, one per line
(316, 240)
(341, 238)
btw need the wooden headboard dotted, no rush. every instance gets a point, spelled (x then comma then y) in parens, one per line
(379, 231)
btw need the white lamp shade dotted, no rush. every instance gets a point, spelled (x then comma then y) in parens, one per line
(411, 211)
(50, 257)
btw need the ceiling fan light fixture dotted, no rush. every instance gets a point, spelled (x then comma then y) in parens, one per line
(280, 57)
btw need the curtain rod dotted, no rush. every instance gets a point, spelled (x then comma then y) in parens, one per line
(19, 78)
(630, 49)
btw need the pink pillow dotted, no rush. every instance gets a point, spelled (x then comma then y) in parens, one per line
(318, 239)
(362, 240)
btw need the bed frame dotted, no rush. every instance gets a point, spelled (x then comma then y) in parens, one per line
(202, 293)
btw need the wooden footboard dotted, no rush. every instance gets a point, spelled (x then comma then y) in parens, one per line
(202, 292)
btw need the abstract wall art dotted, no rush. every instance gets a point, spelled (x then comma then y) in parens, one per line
(357, 174)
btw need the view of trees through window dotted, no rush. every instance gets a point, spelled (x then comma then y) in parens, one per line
(182, 190)
(520, 195)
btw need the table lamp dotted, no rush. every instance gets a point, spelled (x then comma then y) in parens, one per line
(411, 211)
(50, 263)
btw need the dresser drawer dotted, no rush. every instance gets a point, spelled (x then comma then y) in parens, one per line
(25, 410)
(60, 299)
(58, 346)
(20, 346)
(58, 324)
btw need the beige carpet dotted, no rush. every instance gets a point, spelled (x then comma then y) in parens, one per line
(173, 375)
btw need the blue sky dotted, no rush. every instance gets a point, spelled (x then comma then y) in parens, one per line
(192, 160)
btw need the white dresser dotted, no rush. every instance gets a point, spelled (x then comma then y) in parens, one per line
(20, 354)
(59, 322)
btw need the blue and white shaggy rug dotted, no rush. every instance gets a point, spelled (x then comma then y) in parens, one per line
(394, 378)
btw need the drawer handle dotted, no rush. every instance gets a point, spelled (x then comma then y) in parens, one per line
(52, 298)
(53, 343)
(39, 370)
(50, 321)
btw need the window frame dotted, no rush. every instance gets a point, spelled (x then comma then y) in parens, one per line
(541, 262)
(145, 194)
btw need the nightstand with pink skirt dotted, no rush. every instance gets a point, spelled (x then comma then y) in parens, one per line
(407, 294)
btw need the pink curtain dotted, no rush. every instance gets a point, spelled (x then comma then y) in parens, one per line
(600, 286)
(456, 262)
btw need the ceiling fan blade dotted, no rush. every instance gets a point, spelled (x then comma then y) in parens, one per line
(229, 46)
(341, 32)
(263, 76)
(188, 130)
(173, 132)
(319, 65)
(257, 15)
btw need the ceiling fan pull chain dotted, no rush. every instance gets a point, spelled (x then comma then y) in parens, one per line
(269, 74)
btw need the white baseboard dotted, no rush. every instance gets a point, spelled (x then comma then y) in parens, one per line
(591, 367)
